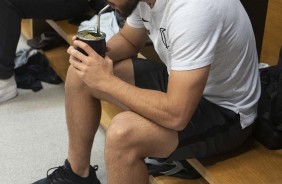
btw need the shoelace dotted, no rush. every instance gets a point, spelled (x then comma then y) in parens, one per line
(59, 172)
(62, 173)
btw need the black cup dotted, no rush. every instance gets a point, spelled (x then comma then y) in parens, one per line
(96, 41)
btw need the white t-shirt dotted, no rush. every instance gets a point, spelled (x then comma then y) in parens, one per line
(190, 34)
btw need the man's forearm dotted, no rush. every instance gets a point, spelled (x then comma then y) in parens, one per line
(173, 109)
(153, 105)
(120, 48)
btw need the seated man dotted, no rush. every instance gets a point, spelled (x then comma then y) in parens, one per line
(200, 103)
(11, 14)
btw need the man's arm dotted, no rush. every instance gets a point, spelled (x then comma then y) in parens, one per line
(173, 109)
(126, 43)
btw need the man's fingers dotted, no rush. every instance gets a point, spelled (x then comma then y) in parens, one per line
(72, 51)
(76, 64)
(73, 59)
(84, 46)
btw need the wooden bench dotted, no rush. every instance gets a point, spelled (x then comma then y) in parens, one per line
(250, 165)
(255, 164)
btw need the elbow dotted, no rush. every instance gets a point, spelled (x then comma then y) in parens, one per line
(177, 118)
(179, 123)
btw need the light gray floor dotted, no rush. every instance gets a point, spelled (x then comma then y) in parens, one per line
(33, 135)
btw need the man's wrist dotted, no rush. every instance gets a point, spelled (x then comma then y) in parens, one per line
(108, 84)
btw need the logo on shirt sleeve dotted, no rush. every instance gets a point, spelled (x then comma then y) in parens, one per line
(144, 20)
(162, 31)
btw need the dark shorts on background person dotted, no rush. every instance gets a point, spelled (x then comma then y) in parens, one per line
(213, 130)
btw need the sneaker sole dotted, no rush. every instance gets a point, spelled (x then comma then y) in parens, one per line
(11, 94)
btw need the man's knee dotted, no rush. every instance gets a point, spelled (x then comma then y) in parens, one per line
(120, 140)
(123, 133)
(120, 131)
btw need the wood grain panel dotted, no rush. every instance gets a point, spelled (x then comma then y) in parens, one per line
(59, 60)
(273, 33)
(64, 29)
(173, 180)
(26, 28)
(255, 165)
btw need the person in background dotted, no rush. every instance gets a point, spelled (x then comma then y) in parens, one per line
(11, 14)
(200, 102)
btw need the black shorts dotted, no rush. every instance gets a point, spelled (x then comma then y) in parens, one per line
(212, 131)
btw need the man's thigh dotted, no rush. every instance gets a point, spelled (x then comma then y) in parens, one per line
(150, 74)
(142, 73)
(146, 138)
(49, 9)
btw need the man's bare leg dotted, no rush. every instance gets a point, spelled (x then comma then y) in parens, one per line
(83, 113)
(130, 139)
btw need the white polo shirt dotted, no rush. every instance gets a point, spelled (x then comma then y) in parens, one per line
(190, 34)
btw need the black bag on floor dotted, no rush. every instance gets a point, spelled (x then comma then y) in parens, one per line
(268, 129)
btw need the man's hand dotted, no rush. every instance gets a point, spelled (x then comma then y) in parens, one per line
(92, 69)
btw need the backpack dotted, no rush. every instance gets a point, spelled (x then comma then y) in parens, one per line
(268, 128)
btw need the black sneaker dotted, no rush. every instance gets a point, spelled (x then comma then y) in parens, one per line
(65, 175)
